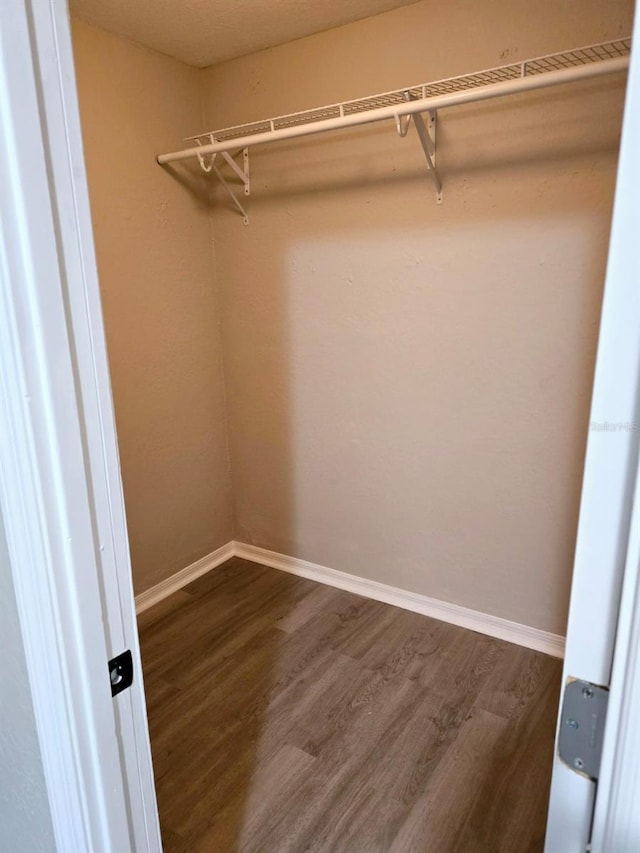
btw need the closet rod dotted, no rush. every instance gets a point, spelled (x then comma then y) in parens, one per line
(421, 105)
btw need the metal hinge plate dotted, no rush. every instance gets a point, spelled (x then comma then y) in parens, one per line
(584, 711)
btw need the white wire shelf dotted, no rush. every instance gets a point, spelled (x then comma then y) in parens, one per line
(403, 106)
(513, 71)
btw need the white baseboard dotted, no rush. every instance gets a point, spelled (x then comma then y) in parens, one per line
(454, 614)
(175, 582)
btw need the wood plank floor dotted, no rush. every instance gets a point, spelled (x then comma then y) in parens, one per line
(286, 716)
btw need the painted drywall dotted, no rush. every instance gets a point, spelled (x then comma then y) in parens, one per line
(203, 33)
(25, 819)
(408, 384)
(153, 245)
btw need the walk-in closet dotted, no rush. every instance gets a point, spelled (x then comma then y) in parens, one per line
(351, 263)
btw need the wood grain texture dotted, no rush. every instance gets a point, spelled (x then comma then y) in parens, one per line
(286, 716)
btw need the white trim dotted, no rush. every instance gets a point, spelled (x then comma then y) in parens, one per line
(608, 481)
(180, 579)
(616, 823)
(454, 614)
(87, 343)
(45, 492)
(616, 819)
(53, 61)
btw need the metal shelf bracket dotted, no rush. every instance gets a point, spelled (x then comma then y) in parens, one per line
(427, 135)
(241, 172)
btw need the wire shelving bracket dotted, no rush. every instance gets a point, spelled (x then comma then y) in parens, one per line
(208, 164)
(427, 136)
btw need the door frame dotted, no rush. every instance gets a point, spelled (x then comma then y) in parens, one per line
(616, 817)
(600, 632)
(60, 488)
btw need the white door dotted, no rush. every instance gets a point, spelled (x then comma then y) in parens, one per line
(60, 487)
(606, 559)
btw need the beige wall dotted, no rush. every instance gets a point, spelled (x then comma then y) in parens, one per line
(153, 243)
(408, 384)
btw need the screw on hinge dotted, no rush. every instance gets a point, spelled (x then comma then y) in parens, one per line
(573, 724)
(578, 763)
(587, 692)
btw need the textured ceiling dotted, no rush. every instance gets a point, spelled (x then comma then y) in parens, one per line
(203, 32)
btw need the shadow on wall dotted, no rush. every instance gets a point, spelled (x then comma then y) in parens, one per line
(408, 384)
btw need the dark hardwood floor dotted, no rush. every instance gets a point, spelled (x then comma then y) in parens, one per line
(287, 716)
